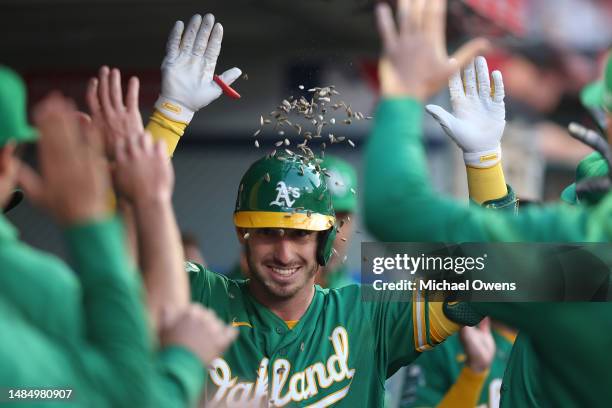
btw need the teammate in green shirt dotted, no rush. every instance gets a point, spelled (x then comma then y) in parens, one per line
(64, 331)
(400, 206)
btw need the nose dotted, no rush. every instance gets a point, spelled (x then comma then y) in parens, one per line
(283, 250)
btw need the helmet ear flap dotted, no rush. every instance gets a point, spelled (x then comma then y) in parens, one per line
(325, 245)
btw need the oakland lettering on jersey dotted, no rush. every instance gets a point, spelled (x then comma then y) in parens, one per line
(285, 387)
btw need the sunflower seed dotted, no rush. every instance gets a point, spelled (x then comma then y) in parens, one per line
(353, 191)
(351, 143)
(368, 118)
(289, 152)
(267, 177)
(340, 139)
(301, 86)
(257, 132)
(287, 143)
(261, 120)
(257, 144)
(308, 213)
(320, 197)
(347, 121)
(332, 121)
(245, 77)
(267, 121)
(282, 231)
(273, 153)
(246, 236)
(323, 146)
(279, 143)
(281, 133)
(343, 239)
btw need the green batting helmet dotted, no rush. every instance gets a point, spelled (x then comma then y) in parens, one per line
(287, 191)
(342, 183)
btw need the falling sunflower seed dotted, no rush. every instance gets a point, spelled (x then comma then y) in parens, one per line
(301, 86)
(332, 121)
(281, 133)
(353, 191)
(289, 152)
(279, 143)
(261, 120)
(257, 144)
(267, 177)
(245, 77)
(343, 239)
(347, 121)
(246, 236)
(351, 143)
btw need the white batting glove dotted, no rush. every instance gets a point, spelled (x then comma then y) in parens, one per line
(479, 116)
(189, 67)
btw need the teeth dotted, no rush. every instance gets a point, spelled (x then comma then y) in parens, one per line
(284, 271)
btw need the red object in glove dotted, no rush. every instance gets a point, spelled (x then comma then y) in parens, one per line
(228, 90)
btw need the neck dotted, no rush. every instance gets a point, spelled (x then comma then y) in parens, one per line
(292, 308)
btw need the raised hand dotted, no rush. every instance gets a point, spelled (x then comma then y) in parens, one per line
(189, 67)
(478, 345)
(73, 181)
(142, 172)
(117, 119)
(198, 330)
(414, 61)
(477, 125)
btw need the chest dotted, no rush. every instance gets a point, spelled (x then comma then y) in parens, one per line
(294, 368)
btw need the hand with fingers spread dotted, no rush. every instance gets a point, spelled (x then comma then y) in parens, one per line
(414, 61)
(189, 67)
(479, 114)
(142, 172)
(479, 345)
(117, 119)
(73, 180)
(198, 330)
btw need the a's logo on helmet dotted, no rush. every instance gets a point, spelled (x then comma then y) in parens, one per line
(283, 198)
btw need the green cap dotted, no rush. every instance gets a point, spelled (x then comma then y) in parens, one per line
(13, 117)
(594, 165)
(284, 191)
(599, 93)
(342, 183)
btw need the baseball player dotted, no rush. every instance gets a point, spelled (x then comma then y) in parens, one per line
(418, 214)
(299, 344)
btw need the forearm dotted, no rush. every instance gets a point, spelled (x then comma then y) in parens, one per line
(119, 362)
(162, 128)
(466, 391)
(161, 256)
(180, 379)
(486, 184)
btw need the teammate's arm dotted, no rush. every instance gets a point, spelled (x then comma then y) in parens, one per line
(400, 204)
(477, 126)
(187, 77)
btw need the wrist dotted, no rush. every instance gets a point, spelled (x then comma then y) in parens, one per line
(174, 110)
(155, 202)
(483, 158)
(478, 367)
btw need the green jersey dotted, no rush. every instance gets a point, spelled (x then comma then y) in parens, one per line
(340, 352)
(427, 380)
(400, 205)
(86, 331)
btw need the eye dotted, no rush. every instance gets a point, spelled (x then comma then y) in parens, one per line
(302, 233)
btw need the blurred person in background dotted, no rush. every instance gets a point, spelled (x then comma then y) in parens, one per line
(191, 249)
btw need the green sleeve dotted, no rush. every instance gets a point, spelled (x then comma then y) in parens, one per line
(116, 323)
(390, 318)
(181, 378)
(400, 204)
(426, 380)
(208, 288)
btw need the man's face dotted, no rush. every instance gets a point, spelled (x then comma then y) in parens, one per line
(282, 262)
